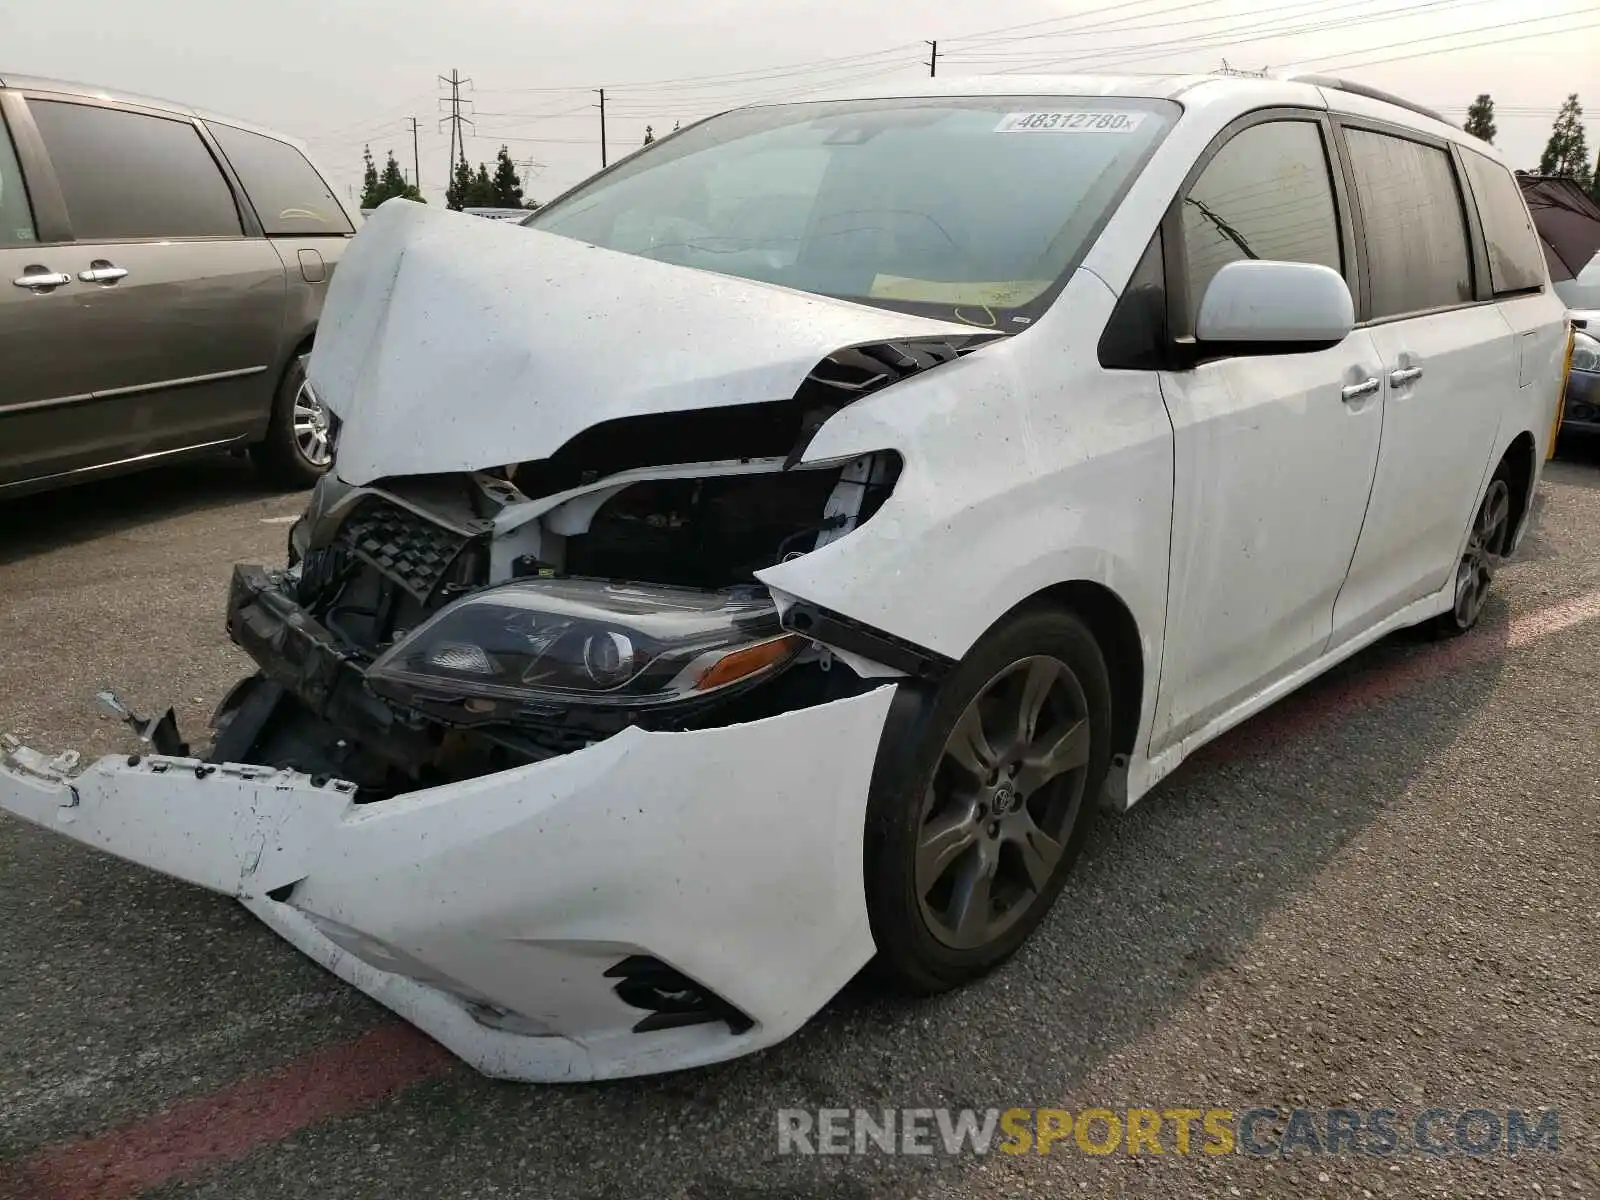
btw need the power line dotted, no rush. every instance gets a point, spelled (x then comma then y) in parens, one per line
(744, 77)
(1227, 38)
(1119, 25)
(1520, 37)
(991, 34)
(732, 78)
(1441, 36)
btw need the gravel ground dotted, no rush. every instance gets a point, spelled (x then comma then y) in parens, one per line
(1381, 894)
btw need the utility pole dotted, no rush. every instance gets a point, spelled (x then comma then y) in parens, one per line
(933, 58)
(416, 159)
(602, 92)
(458, 139)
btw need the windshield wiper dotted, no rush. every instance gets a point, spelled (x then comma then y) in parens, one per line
(1227, 231)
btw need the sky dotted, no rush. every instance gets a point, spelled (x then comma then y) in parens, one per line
(345, 75)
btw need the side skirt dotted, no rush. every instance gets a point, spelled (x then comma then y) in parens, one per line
(1145, 773)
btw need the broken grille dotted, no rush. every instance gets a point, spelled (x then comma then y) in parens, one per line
(411, 550)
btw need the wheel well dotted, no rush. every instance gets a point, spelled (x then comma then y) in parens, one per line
(1518, 461)
(1117, 632)
(300, 348)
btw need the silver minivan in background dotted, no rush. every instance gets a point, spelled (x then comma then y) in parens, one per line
(161, 275)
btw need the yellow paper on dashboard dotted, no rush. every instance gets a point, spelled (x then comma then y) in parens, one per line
(1004, 294)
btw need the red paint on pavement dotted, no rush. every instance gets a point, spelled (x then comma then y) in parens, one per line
(1322, 700)
(1554, 619)
(228, 1124)
(1325, 698)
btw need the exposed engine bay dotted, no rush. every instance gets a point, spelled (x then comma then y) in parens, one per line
(429, 629)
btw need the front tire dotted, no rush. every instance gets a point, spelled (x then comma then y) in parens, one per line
(973, 827)
(297, 450)
(1487, 543)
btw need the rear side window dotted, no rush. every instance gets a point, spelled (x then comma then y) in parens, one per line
(1267, 194)
(1516, 260)
(127, 175)
(1416, 232)
(16, 219)
(289, 196)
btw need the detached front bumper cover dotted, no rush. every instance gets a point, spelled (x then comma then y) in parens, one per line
(653, 902)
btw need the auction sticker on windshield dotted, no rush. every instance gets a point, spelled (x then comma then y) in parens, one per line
(1069, 122)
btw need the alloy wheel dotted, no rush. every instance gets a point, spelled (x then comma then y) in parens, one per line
(1486, 546)
(1000, 808)
(311, 434)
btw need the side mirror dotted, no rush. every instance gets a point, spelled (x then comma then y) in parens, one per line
(1264, 307)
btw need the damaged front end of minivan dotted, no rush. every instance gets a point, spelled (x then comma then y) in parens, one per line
(532, 756)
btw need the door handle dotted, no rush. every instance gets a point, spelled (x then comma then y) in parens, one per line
(41, 280)
(1404, 376)
(1356, 391)
(101, 271)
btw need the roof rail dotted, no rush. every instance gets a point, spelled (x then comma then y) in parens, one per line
(1371, 93)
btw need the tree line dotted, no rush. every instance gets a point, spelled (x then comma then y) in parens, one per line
(1566, 154)
(468, 188)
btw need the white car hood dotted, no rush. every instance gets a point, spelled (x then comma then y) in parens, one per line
(451, 343)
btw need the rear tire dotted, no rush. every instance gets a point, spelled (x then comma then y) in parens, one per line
(1487, 542)
(980, 807)
(296, 451)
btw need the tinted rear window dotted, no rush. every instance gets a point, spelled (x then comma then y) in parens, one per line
(1416, 231)
(1516, 261)
(289, 196)
(129, 175)
(16, 221)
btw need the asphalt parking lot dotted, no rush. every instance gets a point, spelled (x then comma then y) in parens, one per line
(1385, 892)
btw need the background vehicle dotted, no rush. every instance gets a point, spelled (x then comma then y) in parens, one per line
(1580, 413)
(161, 276)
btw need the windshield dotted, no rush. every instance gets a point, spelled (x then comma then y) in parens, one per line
(969, 207)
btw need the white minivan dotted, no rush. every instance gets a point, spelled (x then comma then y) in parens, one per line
(769, 558)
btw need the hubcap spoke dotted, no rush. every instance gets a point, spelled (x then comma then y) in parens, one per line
(944, 841)
(1040, 852)
(969, 901)
(311, 427)
(1036, 687)
(1472, 593)
(1499, 510)
(969, 745)
(1065, 751)
(1482, 557)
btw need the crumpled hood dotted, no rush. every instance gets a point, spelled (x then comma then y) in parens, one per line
(452, 343)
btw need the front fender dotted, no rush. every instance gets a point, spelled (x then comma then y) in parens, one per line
(1026, 465)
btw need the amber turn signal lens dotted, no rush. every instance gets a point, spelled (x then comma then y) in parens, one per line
(747, 661)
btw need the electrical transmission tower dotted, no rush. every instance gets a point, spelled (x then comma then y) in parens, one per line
(456, 119)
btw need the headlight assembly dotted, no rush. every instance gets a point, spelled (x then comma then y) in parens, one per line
(1585, 352)
(544, 645)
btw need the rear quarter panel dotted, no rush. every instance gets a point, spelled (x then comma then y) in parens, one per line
(308, 264)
